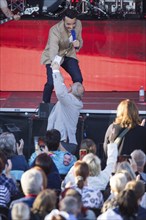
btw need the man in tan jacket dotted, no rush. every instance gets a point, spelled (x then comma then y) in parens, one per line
(65, 39)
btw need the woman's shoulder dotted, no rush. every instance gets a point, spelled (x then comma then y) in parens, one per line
(113, 125)
(114, 129)
(140, 127)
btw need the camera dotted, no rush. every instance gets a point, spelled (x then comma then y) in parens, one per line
(42, 147)
(82, 153)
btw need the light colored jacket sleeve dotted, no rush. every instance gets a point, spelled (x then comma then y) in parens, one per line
(52, 46)
(60, 89)
(110, 164)
(69, 179)
(79, 34)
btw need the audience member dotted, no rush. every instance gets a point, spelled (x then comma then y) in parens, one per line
(32, 184)
(65, 114)
(127, 207)
(44, 203)
(88, 145)
(58, 215)
(20, 211)
(69, 204)
(68, 207)
(117, 184)
(126, 166)
(45, 162)
(122, 168)
(6, 179)
(140, 158)
(127, 117)
(109, 215)
(4, 202)
(126, 203)
(97, 179)
(91, 198)
(56, 152)
(45, 180)
(85, 213)
(139, 188)
(14, 152)
(40, 147)
(5, 197)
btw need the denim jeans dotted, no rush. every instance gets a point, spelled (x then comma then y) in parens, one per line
(71, 66)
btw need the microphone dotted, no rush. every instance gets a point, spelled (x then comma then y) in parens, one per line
(73, 33)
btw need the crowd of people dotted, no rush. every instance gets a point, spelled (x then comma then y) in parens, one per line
(51, 186)
(54, 184)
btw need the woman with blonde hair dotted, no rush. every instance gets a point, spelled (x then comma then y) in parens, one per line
(127, 117)
(97, 179)
(117, 184)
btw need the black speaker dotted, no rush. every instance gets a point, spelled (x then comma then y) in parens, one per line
(95, 126)
(144, 6)
(19, 126)
(45, 109)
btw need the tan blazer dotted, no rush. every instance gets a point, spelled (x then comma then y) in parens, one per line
(58, 42)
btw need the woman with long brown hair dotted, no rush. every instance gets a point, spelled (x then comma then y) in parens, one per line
(127, 117)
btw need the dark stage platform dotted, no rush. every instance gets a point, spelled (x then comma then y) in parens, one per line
(19, 114)
(94, 102)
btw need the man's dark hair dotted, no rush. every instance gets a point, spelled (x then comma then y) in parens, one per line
(71, 13)
(53, 138)
(45, 162)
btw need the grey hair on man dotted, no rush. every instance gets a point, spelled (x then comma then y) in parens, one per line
(77, 90)
(70, 205)
(32, 182)
(8, 142)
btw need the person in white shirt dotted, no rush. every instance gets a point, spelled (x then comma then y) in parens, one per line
(65, 114)
(97, 179)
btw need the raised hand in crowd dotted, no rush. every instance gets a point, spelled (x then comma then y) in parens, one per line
(20, 147)
(143, 122)
(8, 168)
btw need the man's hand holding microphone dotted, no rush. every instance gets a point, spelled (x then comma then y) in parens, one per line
(75, 42)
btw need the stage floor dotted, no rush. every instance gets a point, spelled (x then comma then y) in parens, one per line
(94, 102)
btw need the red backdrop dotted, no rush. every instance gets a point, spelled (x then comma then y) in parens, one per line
(113, 56)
